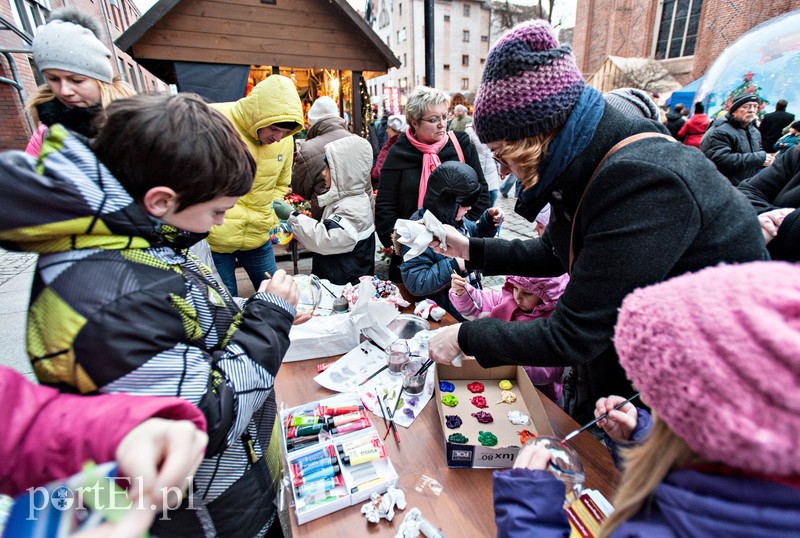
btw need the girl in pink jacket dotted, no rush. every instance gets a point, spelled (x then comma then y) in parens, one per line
(521, 299)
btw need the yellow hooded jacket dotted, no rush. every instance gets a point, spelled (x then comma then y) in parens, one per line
(247, 224)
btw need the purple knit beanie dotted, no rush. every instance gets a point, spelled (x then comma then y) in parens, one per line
(717, 355)
(530, 85)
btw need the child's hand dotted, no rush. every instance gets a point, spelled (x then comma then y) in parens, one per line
(282, 209)
(457, 283)
(281, 285)
(533, 457)
(619, 424)
(496, 214)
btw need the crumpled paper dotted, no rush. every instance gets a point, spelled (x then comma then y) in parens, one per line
(416, 237)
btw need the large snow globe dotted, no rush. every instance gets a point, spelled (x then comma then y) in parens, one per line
(763, 61)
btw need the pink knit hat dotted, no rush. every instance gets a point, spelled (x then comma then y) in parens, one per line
(548, 289)
(717, 356)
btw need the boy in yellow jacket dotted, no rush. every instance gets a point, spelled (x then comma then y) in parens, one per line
(266, 120)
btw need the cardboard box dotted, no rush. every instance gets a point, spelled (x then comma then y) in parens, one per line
(473, 454)
(358, 482)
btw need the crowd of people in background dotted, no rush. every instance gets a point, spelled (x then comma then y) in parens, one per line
(608, 296)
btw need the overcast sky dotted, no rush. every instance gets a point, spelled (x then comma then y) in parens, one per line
(565, 8)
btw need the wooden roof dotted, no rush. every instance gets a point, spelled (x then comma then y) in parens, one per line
(291, 33)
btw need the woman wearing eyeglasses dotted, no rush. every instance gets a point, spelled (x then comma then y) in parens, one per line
(652, 210)
(425, 145)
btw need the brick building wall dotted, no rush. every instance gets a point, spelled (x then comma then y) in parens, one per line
(15, 130)
(628, 28)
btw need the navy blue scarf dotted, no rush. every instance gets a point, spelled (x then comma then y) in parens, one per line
(569, 143)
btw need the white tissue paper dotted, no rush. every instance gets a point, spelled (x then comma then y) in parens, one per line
(417, 237)
(324, 336)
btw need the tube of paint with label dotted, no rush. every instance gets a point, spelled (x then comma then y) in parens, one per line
(319, 474)
(319, 486)
(324, 410)
(301, 442)
(364, 455)
(321, 454)
(352, 426)
(365, 440)
(304, 431)
(305, 420)
(302, 469)
(344, 419)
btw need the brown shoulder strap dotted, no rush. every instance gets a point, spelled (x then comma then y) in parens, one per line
(618, 146)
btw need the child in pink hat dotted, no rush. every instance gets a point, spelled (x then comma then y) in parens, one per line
(716, 355)
(521, 299)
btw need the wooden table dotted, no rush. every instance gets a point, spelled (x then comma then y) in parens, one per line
(464, 508)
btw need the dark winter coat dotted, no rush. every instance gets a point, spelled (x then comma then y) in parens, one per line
(771, 128)
(735, 150)
(375, 174)
(655, 210)
(778, 186)
(399, 187)
(674, 123)
(307, 179)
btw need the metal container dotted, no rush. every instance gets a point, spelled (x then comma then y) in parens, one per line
(405, 326)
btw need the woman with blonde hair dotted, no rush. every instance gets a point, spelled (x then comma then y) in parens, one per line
(79, 79)
(630, 207)
(425, 145)
(719, 364)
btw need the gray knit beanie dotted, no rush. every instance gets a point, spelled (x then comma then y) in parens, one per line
(71, 41)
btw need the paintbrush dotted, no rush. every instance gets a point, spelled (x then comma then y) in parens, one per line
(595, 421)
(315, 277)
(424, 367)
(383, 412)
(381, 369)
(391, 417)
(471, 298)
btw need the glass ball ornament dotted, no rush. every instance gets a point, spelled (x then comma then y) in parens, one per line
(565, 464)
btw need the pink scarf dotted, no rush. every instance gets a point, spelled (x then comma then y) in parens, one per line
(430, 160)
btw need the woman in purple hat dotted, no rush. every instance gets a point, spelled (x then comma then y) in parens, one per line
(649, 210)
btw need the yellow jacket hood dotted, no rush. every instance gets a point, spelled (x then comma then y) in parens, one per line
(273, 100)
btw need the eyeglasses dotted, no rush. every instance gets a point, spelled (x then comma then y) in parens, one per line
(500, 160)
(435, 120)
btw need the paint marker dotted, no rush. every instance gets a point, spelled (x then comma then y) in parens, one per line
(318, 486)
(319, 474)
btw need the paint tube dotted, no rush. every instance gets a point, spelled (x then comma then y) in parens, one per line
(303, 420)
(304, 431)
(319, 474)
(344, 419)
(319, 486)
(365, 440)
(301, 442)
(352, 426)
(321, 454)
(366, 485)
(303, 469)
(326, 411)
(364, 455)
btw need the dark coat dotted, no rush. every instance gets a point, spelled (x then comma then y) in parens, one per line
(736, 150)
(776, 187)
(399, 187)
(307, 179)
(655, 210)
(674, 123)
(772, 126)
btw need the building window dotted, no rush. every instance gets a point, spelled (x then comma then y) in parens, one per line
(447, 18)
(447, 67)
(400, 8)
(404, 59)
(465, 83)
(465, 60)
(30, 13)
(484, 39)
(677, 30)
(401, 35)
(465, 37)
(466, 10)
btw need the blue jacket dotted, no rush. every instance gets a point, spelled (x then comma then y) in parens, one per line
(428, 275)
(686, 503)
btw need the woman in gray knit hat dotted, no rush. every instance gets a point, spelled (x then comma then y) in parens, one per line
(78, 73)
